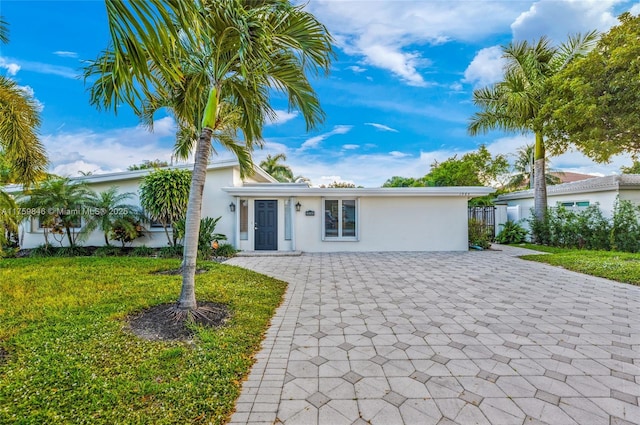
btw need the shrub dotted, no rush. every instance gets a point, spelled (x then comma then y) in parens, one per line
(207, 233)
(107, 251)
(479, 235)
(72, 251)
(511, 232)
(226, 250)
(42, 251)
(174, 251)
(625, 231)
(142, 251)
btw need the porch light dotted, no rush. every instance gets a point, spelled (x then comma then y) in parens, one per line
(232, 207)
(298, 206)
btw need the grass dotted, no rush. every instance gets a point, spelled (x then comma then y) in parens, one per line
(619, 266)
(72, 360)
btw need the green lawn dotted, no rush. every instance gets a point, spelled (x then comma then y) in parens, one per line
(72, 360)
(620, 266)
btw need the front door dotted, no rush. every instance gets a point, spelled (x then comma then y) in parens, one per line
(266, 226)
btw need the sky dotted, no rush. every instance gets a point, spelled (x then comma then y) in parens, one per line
(398, 96)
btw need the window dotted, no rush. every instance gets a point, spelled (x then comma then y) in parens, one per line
(340, 219)
(244, 219)
(575, 205)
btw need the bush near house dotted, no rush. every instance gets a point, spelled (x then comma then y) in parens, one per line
(589, 229)
(66, 355)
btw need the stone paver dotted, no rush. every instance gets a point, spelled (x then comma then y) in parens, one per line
(443, 338)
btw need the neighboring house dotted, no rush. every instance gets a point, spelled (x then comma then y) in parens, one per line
(577, 195)
(260, 214)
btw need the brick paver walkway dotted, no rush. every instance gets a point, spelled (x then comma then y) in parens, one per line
(443, 338)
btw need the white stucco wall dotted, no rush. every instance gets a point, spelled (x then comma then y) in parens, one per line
(215, 203)
(390, 224)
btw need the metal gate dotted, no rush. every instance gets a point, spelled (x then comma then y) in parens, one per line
(486, 216)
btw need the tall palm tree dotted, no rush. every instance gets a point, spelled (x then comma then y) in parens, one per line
(224, 58)
(276, 169)
(19, 121)
(513, 104)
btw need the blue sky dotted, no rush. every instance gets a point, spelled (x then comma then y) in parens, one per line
(398, 96)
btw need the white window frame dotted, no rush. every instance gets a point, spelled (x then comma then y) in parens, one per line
(341, 238)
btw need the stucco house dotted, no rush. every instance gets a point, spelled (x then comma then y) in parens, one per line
(260, 214)
(577, 195)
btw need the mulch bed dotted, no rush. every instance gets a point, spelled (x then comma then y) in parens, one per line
(159, 323)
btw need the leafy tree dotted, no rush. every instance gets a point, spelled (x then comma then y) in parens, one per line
(473, 169)
(240, 50)
(19, 122)
(164, 195)
(107, 212)
(514, 103)
(340, 185)
(276, 169)
(524, 170)
(60, 205)
(632, 169)
(593, 103)
(146, 165)
(397, 181)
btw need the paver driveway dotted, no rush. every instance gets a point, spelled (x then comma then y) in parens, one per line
(443, 338)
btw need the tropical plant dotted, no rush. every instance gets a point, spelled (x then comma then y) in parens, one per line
(10, 218)
(479, 235)
(146, 165)
(107, 211)
(164, 195)
(513, 104)
(511, 233)
(216, 80)
(273, 165)
(632, 169)
(19, 122)
(59, 205)
(524, 170)
(126, 228)
(207, 232)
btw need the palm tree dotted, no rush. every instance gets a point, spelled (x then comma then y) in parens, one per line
(513, 104)
(524, 172)
(60, 205)
(19, 121)
(106, 209)
(223, 58)
(279, 171)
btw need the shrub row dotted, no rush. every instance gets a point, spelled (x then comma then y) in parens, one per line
(225, 250)
(590, 229)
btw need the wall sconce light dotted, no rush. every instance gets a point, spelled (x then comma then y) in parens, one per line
(298, 206)
(232, 207)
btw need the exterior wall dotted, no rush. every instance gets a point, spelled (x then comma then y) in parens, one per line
(390, 224)
(215, 204)
(632, 195)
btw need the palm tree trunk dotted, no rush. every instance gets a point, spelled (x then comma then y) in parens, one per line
(540, 184)
(192, 222)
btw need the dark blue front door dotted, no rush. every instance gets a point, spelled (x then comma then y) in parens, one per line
(266, 227)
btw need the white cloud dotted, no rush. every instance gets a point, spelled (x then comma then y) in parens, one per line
(313, 142)
(283, 116)
(357, 69)
(109, 151)
(397, 154)
(350, 147)
(28, 90)
(41, 68)
(635, 9)
(558, 19)
(388, 32)
(381, 127)
(486, 67)
(65, 54)
(11, 67)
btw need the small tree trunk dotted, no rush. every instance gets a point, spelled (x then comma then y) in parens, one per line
(540, 184)
(192, 221)
(106, 240)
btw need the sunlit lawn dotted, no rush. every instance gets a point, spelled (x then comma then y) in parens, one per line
(619, 266)
(72, 360)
